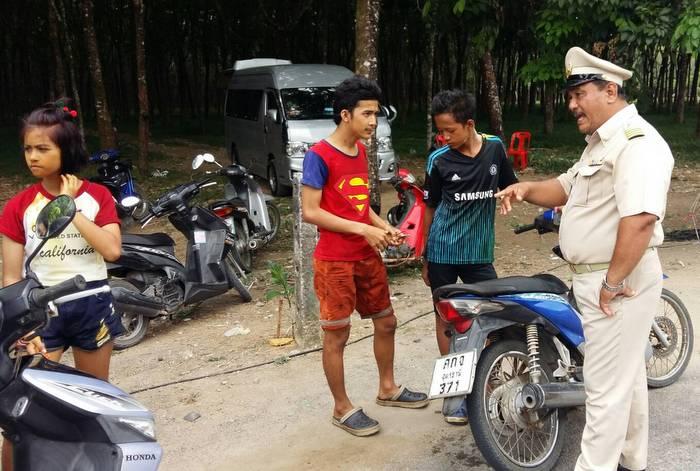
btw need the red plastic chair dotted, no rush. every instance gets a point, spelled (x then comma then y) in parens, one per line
(519, 146)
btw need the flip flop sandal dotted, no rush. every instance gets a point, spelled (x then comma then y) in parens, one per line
(357, 423)
(404, 397)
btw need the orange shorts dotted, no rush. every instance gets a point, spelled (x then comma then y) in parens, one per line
(342, 287)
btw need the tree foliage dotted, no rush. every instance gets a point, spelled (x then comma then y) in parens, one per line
(191, 44)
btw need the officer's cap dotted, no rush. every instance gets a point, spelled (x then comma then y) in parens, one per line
(582, 67)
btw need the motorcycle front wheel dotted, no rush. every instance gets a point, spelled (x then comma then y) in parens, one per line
(508, 438)
(135, 324)
(668, 362)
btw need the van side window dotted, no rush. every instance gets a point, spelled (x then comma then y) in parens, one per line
(243, 104)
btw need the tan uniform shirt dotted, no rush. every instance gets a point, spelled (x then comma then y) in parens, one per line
(625, 170)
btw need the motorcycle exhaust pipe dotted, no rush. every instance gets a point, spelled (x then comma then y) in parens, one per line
(126, 300)
(553, 395)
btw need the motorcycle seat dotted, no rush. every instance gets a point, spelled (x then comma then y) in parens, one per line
(158, 239)
(233, 171)
(543, 283)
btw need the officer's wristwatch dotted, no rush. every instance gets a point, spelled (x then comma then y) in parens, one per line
(612, 288)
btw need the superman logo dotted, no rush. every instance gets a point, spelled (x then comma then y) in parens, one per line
(355, 190)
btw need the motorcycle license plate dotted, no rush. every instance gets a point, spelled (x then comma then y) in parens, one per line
(453, 375)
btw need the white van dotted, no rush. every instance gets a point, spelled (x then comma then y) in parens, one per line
(276, 110)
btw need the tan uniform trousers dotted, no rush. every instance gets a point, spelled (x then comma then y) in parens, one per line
(614, 369)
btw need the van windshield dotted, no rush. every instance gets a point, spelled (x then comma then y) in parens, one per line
(308, 103)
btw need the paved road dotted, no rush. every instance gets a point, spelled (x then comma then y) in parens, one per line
(278, 416)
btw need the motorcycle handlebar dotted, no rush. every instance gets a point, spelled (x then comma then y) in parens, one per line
(525, 228)
(40, 297)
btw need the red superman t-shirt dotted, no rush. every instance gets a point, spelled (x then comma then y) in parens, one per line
(344, 182)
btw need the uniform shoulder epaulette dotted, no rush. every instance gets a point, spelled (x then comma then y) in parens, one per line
(633, 133)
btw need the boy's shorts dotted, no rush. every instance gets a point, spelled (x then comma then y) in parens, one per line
(342, 287)
(86, 323)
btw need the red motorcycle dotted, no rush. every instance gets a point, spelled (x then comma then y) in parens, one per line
(407, 216)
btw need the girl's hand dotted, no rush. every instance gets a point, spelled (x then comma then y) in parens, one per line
(70, 184)
(33, 345)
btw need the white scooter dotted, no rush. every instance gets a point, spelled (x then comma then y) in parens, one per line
(55, 416)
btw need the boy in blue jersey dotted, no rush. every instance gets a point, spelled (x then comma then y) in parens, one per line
(461, 180)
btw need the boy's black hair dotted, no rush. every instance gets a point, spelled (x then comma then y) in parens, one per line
(351, 91)
(63, 131)
(460, 104)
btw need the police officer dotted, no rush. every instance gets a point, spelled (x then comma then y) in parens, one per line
(615, 198)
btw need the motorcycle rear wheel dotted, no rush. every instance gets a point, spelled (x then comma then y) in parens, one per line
(235, 280)
(135, 324)
(273, 213)
(508, 439)
(667, 364)
(243, 252)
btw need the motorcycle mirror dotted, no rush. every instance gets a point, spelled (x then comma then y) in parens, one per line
(197, 162)
(51, 221)
(209, 158)
(55, 217)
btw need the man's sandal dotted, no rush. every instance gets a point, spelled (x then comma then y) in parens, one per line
(404, 397)
(357, 423)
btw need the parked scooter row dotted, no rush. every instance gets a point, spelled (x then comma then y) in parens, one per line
(516, 353)
(56, 416)
(149, 281)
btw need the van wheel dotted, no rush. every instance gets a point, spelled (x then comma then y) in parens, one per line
(276, 188)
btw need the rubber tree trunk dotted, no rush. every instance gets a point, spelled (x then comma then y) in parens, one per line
(366, 34)
(59, 83)
(683, 65)
(429, 88)
(59, 9)
(548, 103)
(493, 102)
(142, 86)
(105, 130)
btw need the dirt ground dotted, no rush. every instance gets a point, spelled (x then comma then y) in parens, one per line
(276, 416)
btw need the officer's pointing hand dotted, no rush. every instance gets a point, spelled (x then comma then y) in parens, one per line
(515, 192)
(607, 296)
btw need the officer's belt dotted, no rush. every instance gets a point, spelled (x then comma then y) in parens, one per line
(588, 267)
(580, 268)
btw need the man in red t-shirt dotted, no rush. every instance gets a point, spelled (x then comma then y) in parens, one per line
(348, 271)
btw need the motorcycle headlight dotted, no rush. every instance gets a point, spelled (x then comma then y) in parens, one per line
(384, 144)
(297, 148)
(129, 201)
(144, 426)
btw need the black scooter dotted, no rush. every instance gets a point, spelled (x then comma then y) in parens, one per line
(149, 281)
(55, 416)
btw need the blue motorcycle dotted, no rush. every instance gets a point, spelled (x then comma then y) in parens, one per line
(516, 353)
(115, 174)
